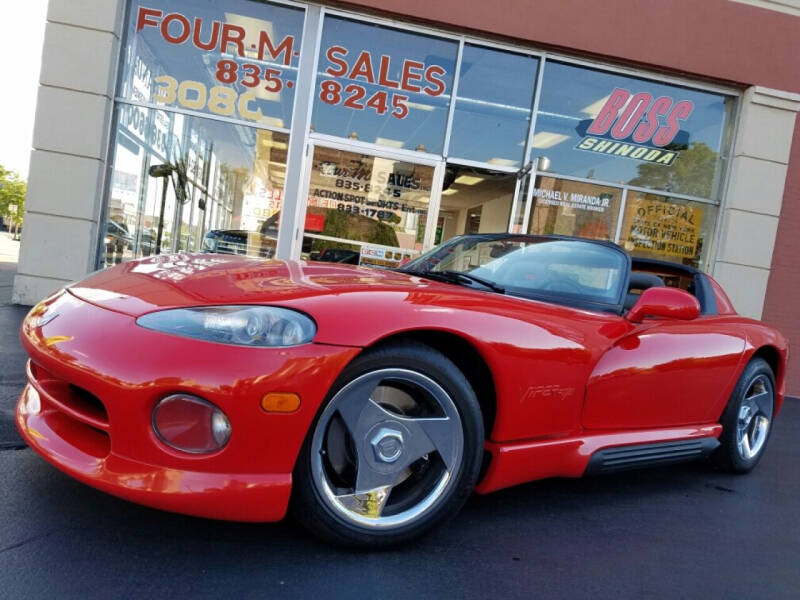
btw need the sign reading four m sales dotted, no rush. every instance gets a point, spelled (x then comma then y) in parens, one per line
(224, 63)
(637, 126)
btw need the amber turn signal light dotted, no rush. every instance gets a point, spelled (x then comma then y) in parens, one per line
(280, 402)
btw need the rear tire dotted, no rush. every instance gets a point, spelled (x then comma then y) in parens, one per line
(747, 419)
(395, 450)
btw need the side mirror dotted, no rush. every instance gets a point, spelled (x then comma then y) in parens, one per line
(664, 302)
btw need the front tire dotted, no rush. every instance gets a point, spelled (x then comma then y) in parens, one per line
(395, 451)
(747, 420)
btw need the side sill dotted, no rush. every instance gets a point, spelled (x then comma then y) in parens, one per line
(613, 460)
(520, 462)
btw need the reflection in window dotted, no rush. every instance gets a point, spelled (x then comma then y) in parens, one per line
(554, 269)
(669, 229)
(474, 201)
(493, 107)
(599, 125)
(384, 86)
(565, 207)
(378, 203)
(191, 184)
(236, 58)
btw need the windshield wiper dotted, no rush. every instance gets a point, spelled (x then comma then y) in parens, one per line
(458, 276)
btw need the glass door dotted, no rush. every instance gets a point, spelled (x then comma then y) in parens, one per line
(369, 207)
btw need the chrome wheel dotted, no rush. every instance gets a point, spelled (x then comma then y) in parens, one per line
(387, 448)
(755, 414)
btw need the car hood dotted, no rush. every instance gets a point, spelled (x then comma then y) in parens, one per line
(180, 280)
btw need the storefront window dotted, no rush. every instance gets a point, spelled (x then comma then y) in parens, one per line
(475, 201)
(365, 209)
(668, 228)
(599, 125)
(184, 183)
(384, 86)
(493, 107)
(204, 112)
(565, 207)
(236, 59)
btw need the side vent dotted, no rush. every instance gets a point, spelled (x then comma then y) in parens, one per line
(611, 460)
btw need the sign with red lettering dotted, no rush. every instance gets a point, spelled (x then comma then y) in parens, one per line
(415, 77)
(637, 126)
(176, 28)
(383, 85)
(211, 59)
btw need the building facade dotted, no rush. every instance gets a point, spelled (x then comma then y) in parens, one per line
(370, 132)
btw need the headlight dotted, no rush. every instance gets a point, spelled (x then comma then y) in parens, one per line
(262, 326)
(210, 244)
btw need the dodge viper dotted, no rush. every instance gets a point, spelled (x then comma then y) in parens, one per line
(373, 402)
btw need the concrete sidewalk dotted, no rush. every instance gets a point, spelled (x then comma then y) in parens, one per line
(7, 271)
(9, 254)
(9, 249)
(12, 358)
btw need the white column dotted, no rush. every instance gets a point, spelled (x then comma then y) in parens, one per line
(70, 138)
(293, 207)
(753, 199)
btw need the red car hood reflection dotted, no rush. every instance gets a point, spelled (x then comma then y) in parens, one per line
(169, 281)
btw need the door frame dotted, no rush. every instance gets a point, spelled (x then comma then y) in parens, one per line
(421, 158)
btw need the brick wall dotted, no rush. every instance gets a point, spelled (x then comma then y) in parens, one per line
(782, 306)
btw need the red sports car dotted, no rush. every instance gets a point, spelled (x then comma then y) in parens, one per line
(375, 401)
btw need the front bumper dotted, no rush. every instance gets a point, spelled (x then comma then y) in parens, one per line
(95, 376)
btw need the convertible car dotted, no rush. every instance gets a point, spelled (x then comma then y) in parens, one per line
(373, 402)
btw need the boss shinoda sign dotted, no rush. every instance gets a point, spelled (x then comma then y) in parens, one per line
(637, 126)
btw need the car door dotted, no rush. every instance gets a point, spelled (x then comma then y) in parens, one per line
(662, 373)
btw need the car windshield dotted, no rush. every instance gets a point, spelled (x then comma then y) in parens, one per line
(567, 271)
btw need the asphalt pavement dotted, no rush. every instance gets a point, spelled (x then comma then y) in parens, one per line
(679, 532)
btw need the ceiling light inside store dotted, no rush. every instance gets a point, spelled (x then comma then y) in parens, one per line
(548, 139)
(387, 142)
(252, 29)
(503, 162)
(468, 179)
(418, 106)
(449, 192)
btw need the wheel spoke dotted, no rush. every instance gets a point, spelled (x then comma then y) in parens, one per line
(744, 445)
(761, 403)
(358, 411)
(369, 503)
(428, 435)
